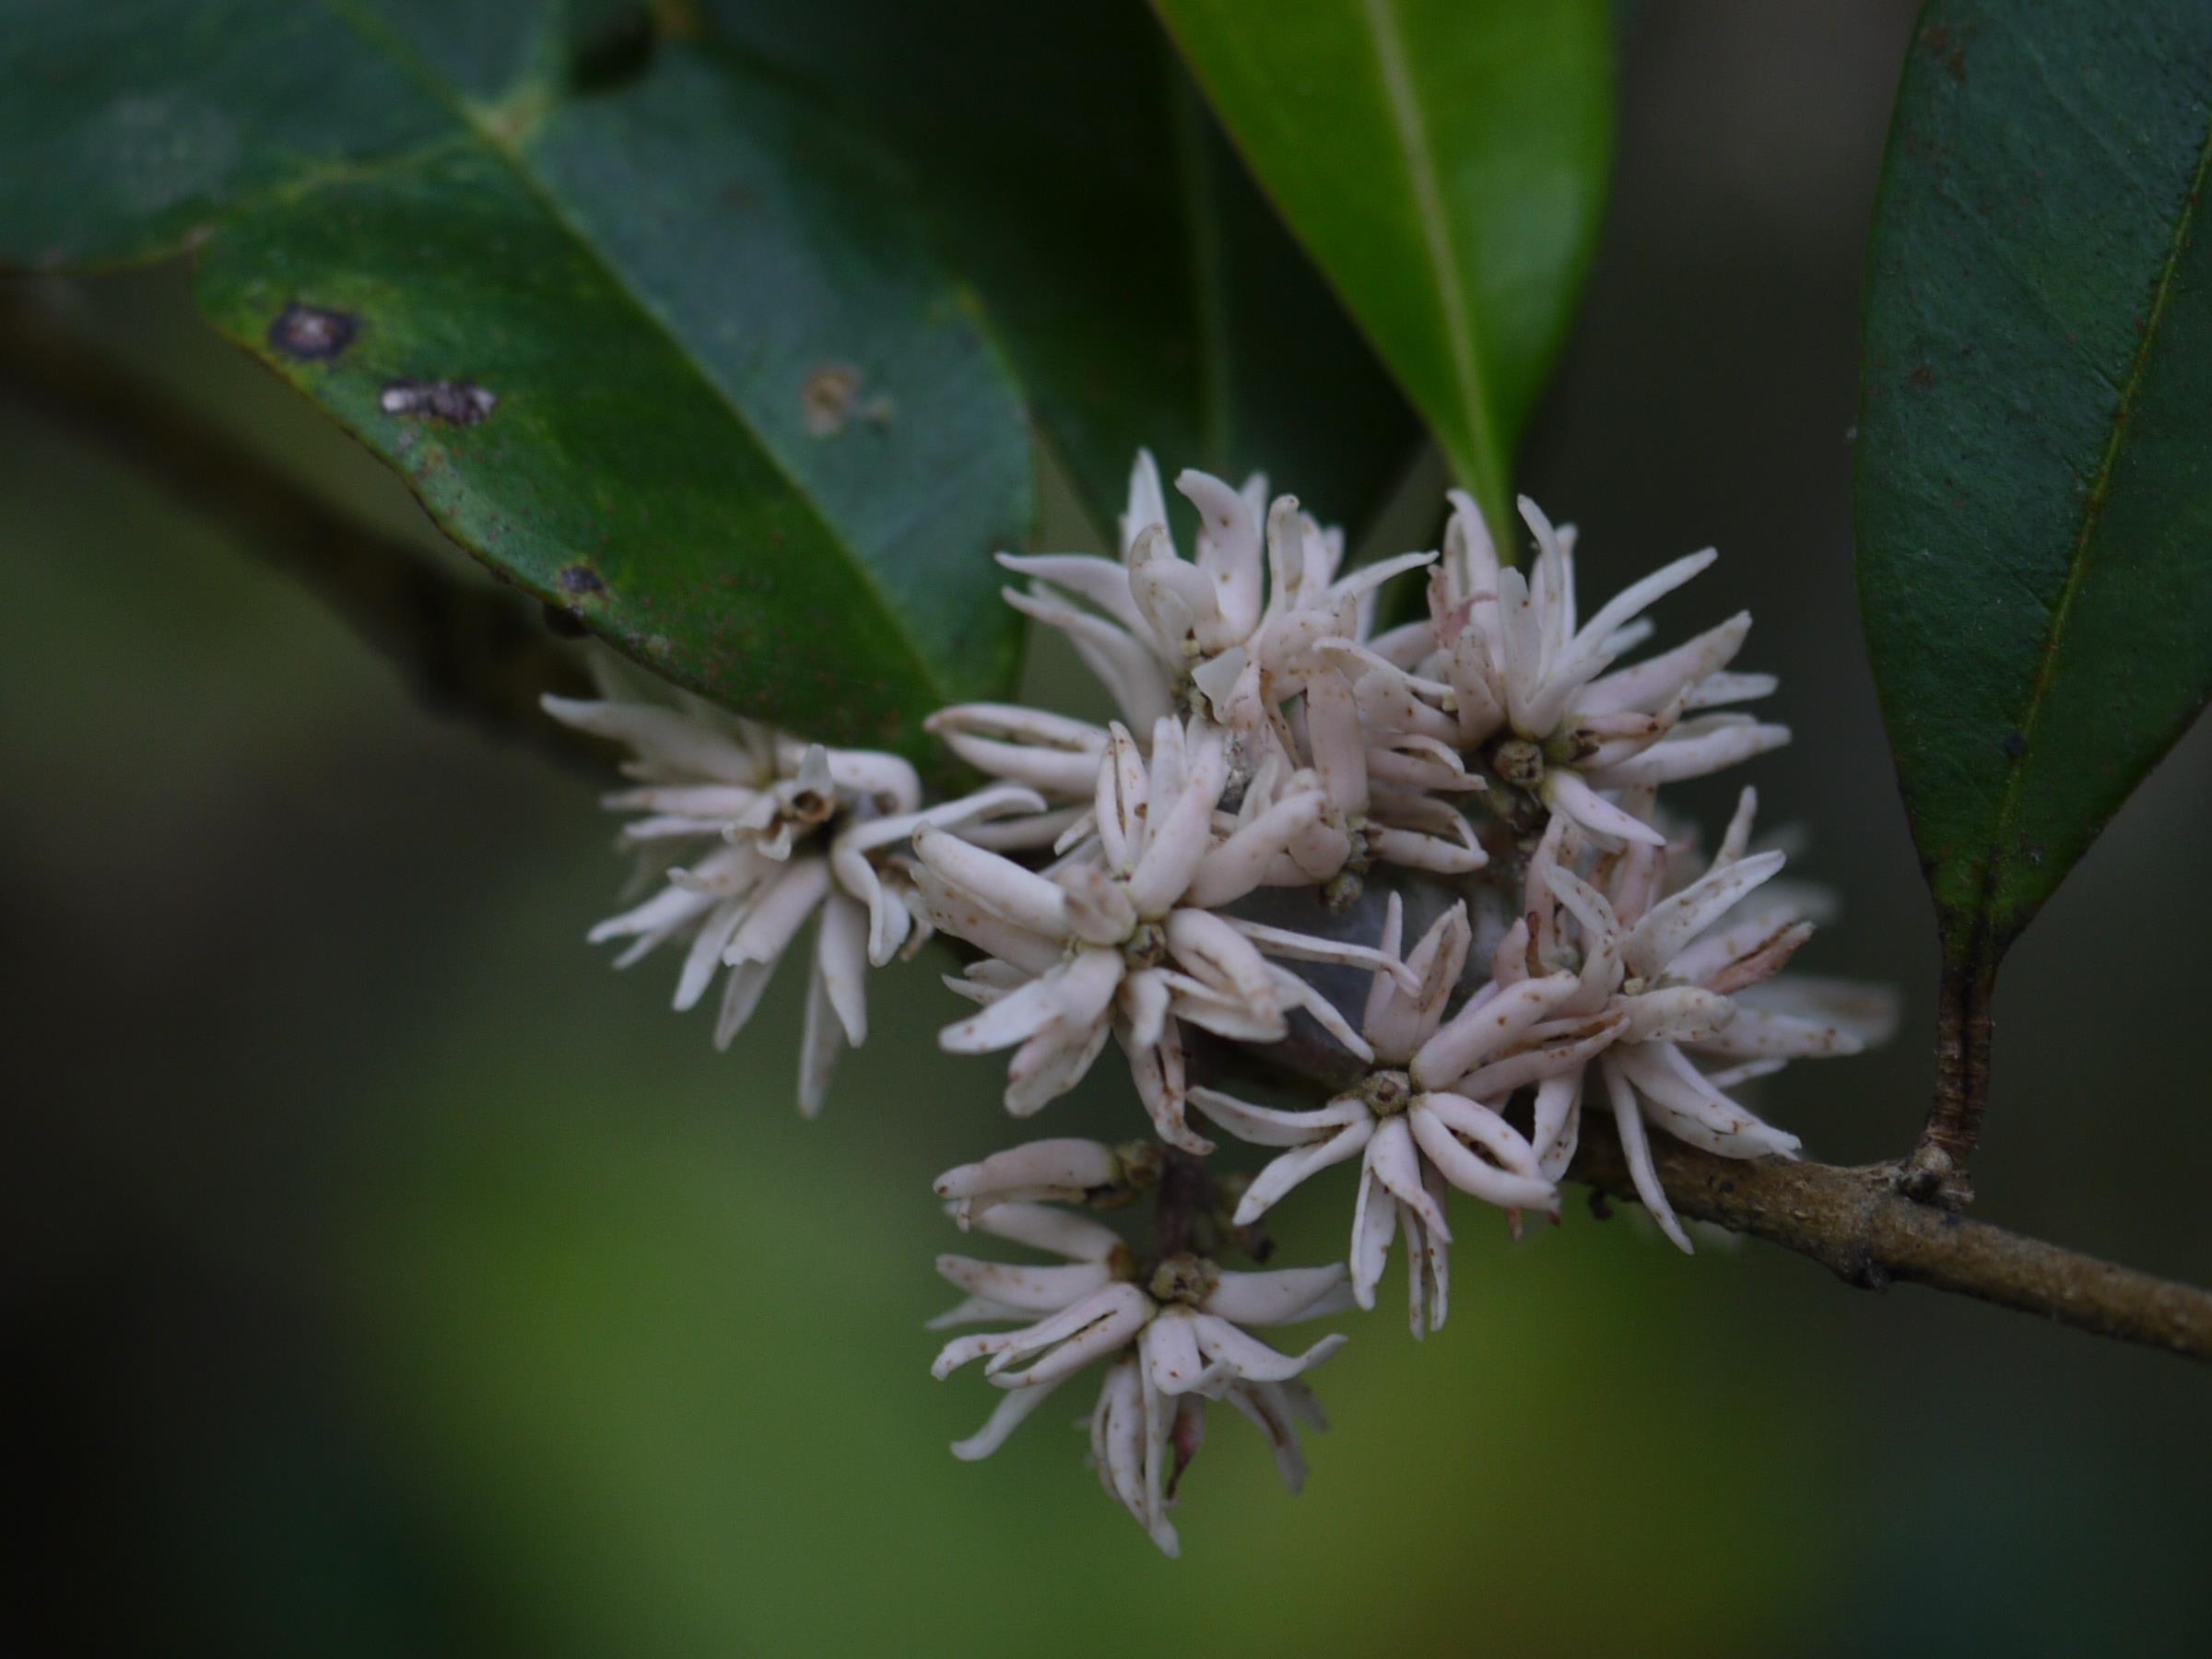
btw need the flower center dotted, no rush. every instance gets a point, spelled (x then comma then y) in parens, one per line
(1184, 1278)
(1387, 1093)
(1519, 762)
(1146, 947)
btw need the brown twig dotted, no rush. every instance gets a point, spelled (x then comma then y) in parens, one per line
(1859, 1225)
(465, 650)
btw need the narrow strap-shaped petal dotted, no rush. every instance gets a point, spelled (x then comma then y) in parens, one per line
(1177, 832)
(1050, 1063)
(1385, 985)
(1061, 1232)
(1283, 1297)
(1557, 1126)
(1673, 923)
(1688, 754)
(703, 960)
(1314, 947)
(1282, 1174)
(1169, 1351)
(1125, 664)
(1566, 1050)
(1030, 1289)
(1014, 1018)
(1235, 867)
(1246, 1356)
(667, 913)
(1762, 963)
(1157, 1073)
(779, 912)
(1687, 1107)
(841, 951)
(1659, 680)
(741, 994)
(822, 1039)
(661, 733)
(1417, 850)
(1060, 774)
(1148, 502)
(1677, 1013)
(1291, 992)
(1119, 801)
(1265, 1405)
(964, 918)
(1017, 894)
(1481, 1030)
(1144, 1000)
(1219, 957)
(1439, 1128)
(1587, 653)
(1335, 741)
(1011, 1412)
(1103, 582)
(1271, 1126)
(1636, 1147)
(1072, 1338)
(1566, 792)
(1393, 1159)
(1229, 545)
(1374, 1220)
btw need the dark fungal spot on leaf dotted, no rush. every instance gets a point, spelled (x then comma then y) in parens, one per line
(581, 578)
(1923, 376)
(462, 402)
(831, 399)
(2015, 745)
(312, 333)
(1948, 49)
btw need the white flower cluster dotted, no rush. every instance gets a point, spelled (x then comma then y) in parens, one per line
(1192, 878)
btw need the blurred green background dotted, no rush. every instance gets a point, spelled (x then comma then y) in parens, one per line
(386, 1276)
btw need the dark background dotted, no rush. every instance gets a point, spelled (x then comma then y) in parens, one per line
(383, 1276)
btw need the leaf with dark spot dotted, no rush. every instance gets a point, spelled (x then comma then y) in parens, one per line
(569, 343)
(1129, 267)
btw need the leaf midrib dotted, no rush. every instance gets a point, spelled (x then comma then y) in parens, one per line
(2092, 517)
(1406, 118)
(378, 34)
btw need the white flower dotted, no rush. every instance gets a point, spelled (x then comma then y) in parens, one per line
(1417, 1127)
(1517, 680)
(1680, 977)
(1174, 1330)
(1154, 628)
(770, 833)
(1168, 636)
(1121, 936)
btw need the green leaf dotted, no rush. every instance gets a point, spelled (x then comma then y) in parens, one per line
(2035, 436)
(1445, 162)
(1143, 289)
(675, 356)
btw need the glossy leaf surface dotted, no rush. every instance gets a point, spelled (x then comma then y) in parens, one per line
(674, 354)
(1444, 160)
(2035, 442)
